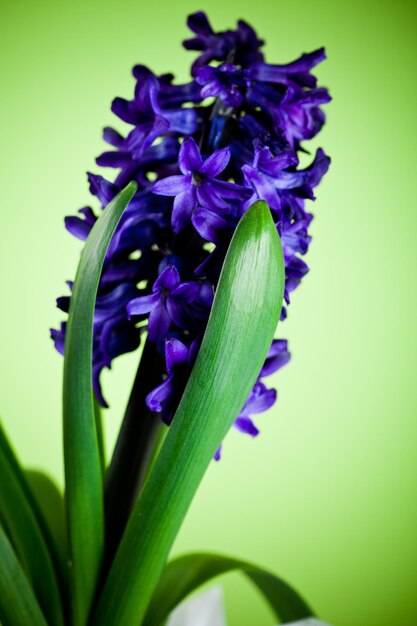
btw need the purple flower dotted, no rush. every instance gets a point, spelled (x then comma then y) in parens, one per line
(277, 357)
(199, 164)
(149, 119)
(197, 186)
(274, 177)
(179, 358)
(169, 303)
(297, 73)
(260, 400)
(240, 46)
(226, 82)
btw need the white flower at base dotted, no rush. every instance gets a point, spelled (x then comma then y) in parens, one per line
(205, 609)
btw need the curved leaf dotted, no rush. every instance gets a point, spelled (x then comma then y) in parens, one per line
(18, 605)
(55, 547)
(29, 542)
(240, 329)
(186, 573)
(83, 470)
(51, 503)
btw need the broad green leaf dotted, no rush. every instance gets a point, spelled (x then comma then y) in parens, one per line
(185, 574)
(29, 542)
(18, 605)
(240, 329)
(83, 469)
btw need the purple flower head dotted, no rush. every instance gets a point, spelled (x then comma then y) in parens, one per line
(197, 185)
(201, 152)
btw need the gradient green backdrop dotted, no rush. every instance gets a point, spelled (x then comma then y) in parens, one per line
(326, 496)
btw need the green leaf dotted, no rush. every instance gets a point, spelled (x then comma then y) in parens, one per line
(83, 470)
(55, 547)
(241, 326)
(18, 605)
(29, 542)
(51, 505)
(185, 574)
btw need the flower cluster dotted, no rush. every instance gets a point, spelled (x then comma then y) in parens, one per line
(201, 153)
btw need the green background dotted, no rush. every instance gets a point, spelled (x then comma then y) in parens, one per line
(326, 496)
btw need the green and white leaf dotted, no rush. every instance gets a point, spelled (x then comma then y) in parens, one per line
(185, 574)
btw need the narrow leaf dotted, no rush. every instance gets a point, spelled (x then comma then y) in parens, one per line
(55, 547)
(29, 543)
(51, 505)
(18, 605)
(83, 469)
(185, 574)
(241, 326)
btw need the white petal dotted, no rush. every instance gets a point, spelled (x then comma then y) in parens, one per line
(205, 609)
(311, 621)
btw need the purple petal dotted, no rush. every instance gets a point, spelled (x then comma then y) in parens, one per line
(168, 279)
(188, 292)
(112, 137)
(142, 305)
(184, 205)
(245, 425)
(199, 24)
(216, 163)
(176, 353)
(172, 185)
(189, 157)
(277, 357)
(159, 323)
(208, 197)
(156, 399)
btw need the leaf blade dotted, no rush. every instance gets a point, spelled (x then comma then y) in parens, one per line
(18, 605)
(186, 573)
(83, 469)
(56, 550)
(29, 542)
(240, 329)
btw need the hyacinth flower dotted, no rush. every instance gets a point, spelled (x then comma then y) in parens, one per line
(191, 250)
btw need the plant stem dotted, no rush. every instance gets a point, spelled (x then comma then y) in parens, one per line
(133, 451)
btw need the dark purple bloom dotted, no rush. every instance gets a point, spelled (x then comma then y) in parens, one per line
(225, 82)
(297, 73)
(169, 303)
(179, 358)
(240, 46)
(260, 399)
(199, 165)
(149, 119)
(273, 177)
(197, 186)
(277, 357)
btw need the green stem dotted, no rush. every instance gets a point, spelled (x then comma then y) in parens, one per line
(133, 451)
